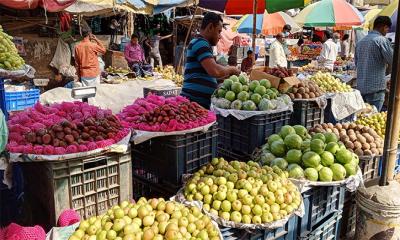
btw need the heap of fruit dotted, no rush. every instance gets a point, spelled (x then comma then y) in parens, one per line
(376, 121)
(9, 58)
(240, 94)
(280, 72)
(367, 110)
(310, 68)
(243, 192)
(154, 219)
(361, 140)
(169, 73)
(69, 127)
(329, 83)
(317, 158)
(305, 90)
(115, 70)
(160, 114)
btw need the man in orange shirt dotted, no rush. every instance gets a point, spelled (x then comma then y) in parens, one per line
(86, 61)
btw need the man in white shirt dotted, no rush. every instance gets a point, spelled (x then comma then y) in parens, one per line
(329, 51)
(277, 56)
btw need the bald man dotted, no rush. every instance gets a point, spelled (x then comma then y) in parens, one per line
(277, 56)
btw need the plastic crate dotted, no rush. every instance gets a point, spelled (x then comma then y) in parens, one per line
(327, 230)
(17, 101)
(3, 98)
(319, 203)
(329, 118)
(348, 221)
(89, 185)
(287, 232)
(307, 114)
(171, 157)
(241, 137)
(370, 167)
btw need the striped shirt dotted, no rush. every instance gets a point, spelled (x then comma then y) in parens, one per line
(373, 53)
(198, 85)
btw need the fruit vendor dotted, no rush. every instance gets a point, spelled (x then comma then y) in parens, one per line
(329, 51)
(277, 55)
(373, 54)
(134, 55)
(201, 69)
(248, 62)
(86, 59)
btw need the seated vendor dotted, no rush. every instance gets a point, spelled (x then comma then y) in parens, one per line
(248, 62)
(134, 55)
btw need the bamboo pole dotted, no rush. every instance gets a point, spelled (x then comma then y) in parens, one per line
(393, 116)
(185, 42)
(254, 26)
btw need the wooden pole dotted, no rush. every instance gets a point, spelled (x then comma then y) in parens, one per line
(185, 42)
(254, 26)
(393, 115)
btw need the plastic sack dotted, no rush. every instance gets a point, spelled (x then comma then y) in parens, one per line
(61, 59)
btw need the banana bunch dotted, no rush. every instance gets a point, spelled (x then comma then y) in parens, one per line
(9, 58)
(169, 73)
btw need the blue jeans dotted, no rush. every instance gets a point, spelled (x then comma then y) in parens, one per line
(377, 99)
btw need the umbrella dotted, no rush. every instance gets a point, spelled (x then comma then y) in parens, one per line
(390, 11)
(267, 24)
(329, 13)
(240, 7)
(369, 17)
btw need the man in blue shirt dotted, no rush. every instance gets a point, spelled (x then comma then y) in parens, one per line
(373, 53)
(201, 69)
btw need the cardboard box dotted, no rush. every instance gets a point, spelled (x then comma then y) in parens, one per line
(282, 84)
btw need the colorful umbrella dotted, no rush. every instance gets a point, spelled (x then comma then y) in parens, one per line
(369, 17)
(240, 7)
(390, 11)
(267, 24)
(329, 13)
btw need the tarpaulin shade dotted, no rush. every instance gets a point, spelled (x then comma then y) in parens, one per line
(49, 5)
(240, 7)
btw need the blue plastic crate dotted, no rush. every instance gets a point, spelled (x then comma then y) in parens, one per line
(3, 98)
(287, 232)
(327, 230)
(319, 203)
(17, 101)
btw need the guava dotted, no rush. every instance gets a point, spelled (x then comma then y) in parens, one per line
(230, 96)
(245, 88)
(260, 90)
(265, 105)
(311, 159)
(253, 85)
(249, 105)
(344, 156)
(266, 96)
(228, 83)
(311, 174)
(256, 98)
(286, 130)
(293, 156)
(296, 172)
(236, 87)
(300, 130)
(278, 148)
(243, 96)
(273, 138)
(319, 136)
(265, 83)
(332, 147)
(292, 165)
(221, 93)
(266, 158)
(305, 145)
(330, 137)
(243, 79)
(339, 172)
(237, 104)
(317, 145)
(327, 158)
(234, 78)
(351, 169)
(293, 141)
(279, 162)
(325, 174)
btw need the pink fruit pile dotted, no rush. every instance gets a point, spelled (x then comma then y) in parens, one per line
(69, 127)
(159, 114)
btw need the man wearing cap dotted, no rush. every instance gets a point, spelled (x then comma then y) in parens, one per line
(201, 69)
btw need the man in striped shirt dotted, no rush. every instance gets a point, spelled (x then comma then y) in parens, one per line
(201, 69)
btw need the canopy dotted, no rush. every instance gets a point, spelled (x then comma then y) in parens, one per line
(390, 11)
(240, 7)
(369, 17)
(49, 5)
(329, 13)
(267, 24)
(98, 7)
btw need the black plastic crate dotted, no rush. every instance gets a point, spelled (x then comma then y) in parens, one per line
(327, 230)
(348, 222)
(369, 167)
(319, 203)
(171, 157)
(146, 185)
(307, 114)
(287, 232)
(329, 118)
(239, 138)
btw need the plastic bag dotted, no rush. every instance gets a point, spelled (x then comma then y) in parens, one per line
(3, 131)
